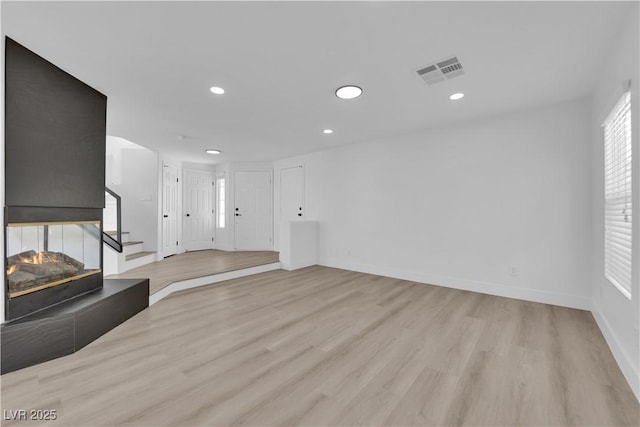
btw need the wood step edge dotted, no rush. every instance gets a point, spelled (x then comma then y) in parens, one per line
(137, 255)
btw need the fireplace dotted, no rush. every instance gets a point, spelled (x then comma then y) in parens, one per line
(55, 127)
(48, 254)
(51, 255)
(56, 301)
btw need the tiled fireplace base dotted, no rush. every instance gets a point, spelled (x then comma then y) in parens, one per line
(69, 326)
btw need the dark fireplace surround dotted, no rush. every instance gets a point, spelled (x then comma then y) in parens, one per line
(56, 301)
(55, 133)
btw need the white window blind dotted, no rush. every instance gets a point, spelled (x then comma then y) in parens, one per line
(617, 191)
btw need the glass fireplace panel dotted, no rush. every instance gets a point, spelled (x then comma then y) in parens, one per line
(47, 254)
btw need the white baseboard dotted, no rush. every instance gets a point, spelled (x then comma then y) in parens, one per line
(527, 294)
(208, 280)
(627, 366)
(299, 264)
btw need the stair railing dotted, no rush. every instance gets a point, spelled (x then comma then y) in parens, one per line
(113, 242)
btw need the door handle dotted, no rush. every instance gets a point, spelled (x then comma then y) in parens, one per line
(299, 214)
(237, 214)
(188, 214)
(166, 216)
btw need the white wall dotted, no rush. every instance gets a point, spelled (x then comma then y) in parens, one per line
(199, 167)
(617, 317)
(2, 280)
(132, 172)
(460, 206)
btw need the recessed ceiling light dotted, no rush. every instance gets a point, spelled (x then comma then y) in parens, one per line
(348, 92)
(456, 96)
(212, 151)
(217, 90)
(327, 131)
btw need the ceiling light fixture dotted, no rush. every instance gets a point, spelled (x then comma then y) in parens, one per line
(348, 92)
(327, 131)
(456, 96)
(212, 151)
(217, 90)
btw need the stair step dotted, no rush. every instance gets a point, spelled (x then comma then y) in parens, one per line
(130, 248)
(138, 255)
(125, 235)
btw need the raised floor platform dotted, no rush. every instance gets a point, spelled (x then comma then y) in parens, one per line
(197, 265)
(69, 326)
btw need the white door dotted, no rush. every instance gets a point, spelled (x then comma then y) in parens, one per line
(197, 187)
(292, 194)
(253, 210)
(169, 210)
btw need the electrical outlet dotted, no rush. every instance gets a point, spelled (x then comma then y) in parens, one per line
(513, 270)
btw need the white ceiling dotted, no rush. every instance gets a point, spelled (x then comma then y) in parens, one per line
(280, 63)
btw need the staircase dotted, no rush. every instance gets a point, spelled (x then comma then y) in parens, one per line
(133, 252)
(121, 253)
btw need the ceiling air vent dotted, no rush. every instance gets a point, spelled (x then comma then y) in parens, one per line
(441, 71)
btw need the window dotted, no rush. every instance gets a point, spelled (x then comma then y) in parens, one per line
(220, 201)
(617, 194)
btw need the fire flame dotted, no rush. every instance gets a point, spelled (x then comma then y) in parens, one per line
(36, 259)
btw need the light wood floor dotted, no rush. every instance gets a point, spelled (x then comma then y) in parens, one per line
(322, 346)
(195, 264)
